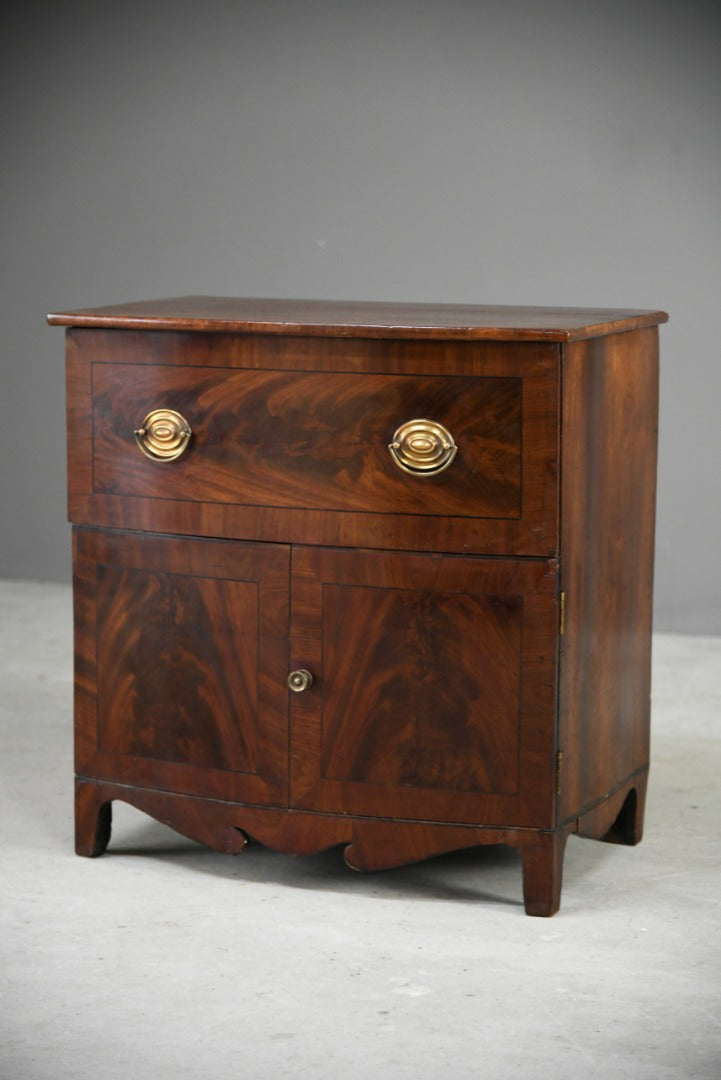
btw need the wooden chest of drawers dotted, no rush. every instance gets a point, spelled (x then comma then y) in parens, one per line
(363, 574)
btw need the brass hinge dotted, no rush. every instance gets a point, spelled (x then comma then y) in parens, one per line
(562, 614)
(559, 771)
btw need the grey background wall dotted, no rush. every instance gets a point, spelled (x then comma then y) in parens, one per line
(548, 152)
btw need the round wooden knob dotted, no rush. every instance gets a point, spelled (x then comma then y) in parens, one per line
(164, 435)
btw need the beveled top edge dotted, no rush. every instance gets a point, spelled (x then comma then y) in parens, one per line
(378, 319)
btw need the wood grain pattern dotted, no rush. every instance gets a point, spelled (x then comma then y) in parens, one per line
(196, 702)
(268, 352)
(444, 698)
(181, 659)
(309, 440)
(619, 817)
(369, 844)
(434, 695)
(323, 454)
(361, 318)
(543, 872)
(610, 409)
(432, 682)
(411, 532)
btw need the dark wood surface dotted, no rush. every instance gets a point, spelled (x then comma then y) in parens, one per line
(361, 318)
(302, 456)
(435, 686)
(448, 709)
(304, 440)
(181, 662)
(369, 843)
(610, 410)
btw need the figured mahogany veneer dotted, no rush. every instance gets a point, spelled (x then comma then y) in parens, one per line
(478, 640)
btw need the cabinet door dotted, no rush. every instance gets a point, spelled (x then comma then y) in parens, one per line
(181, 662)
(434, 686)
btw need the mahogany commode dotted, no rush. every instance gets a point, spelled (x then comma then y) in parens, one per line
(366, 574)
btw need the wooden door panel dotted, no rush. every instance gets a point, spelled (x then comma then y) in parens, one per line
(184, 648)
(409, 668)
(177, 655)
(434, 691)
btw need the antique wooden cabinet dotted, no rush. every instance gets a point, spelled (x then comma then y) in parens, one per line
(363, 574)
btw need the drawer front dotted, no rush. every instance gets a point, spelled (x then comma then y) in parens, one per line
(457, 461)
(316, 441)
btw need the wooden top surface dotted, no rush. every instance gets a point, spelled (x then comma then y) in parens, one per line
(341, 318)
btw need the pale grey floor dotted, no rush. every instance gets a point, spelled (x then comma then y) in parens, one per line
(163, 959)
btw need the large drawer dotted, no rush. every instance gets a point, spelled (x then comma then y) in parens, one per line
(423, 460)
(316, 441)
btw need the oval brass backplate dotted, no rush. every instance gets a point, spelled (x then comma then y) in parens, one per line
(163, 435)
(422, 447)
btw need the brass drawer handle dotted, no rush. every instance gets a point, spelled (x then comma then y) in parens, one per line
(300, 680)
(164, 435)
(422, 447)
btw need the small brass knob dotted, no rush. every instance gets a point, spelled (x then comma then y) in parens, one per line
(300, 680)
(422, 447)
(164, 435)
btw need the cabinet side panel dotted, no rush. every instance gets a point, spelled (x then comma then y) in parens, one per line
(608, 496)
